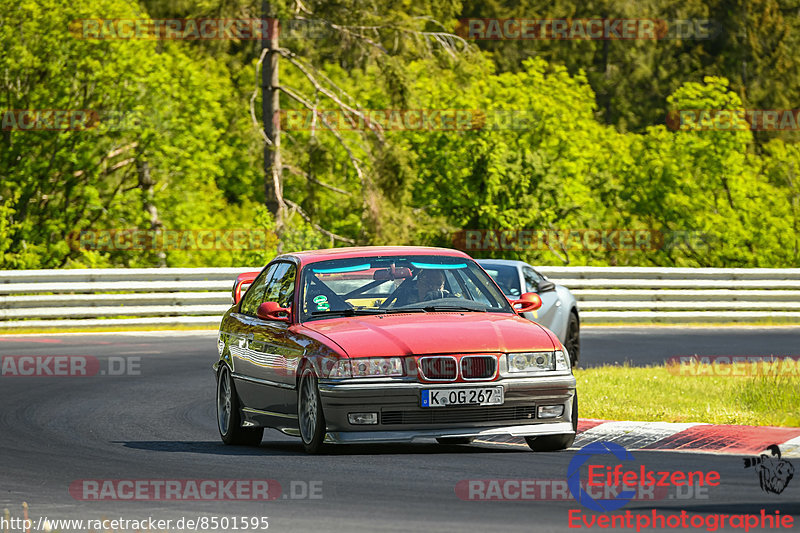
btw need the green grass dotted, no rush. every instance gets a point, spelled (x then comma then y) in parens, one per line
(655, 394)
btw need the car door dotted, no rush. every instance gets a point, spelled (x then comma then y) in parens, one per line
(275, 339)
(245, 368)
(548, 314)
(266, 368)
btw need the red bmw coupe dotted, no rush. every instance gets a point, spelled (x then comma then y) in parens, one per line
(381, 344)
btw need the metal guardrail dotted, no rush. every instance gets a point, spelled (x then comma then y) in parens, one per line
(199, 296)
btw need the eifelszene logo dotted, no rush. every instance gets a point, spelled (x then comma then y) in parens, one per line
(774, 473)
(625, 480)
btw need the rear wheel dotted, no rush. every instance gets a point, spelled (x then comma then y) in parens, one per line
(229, 418)
(554, 443)
(310, 417)
(572, 342)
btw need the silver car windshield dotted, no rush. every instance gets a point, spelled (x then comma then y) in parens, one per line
(378, 285)
(506, 276)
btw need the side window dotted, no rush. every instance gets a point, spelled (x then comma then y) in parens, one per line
(532, 279)
(286, 295)
(255, 294)
(281, 287)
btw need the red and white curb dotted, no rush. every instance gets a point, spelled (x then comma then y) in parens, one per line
(682, 437)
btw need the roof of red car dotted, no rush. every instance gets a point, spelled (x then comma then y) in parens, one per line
(312, 256)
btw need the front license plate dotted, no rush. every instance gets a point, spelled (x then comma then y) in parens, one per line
(471, 396)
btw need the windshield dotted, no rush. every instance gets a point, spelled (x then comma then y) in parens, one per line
(413, 283)
(506, 276)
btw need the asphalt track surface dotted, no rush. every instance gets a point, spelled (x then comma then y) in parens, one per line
(159, 424)
(641, 346)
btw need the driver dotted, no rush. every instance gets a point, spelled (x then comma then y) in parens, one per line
(430, 285)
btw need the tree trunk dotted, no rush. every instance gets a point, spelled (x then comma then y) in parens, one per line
(148, 188)
(270, 108)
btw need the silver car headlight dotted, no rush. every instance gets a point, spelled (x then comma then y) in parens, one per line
(536, 362)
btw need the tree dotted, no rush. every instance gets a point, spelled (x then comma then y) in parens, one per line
(152, 160)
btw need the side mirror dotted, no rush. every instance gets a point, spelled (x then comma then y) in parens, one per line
(272, 311)
(528, 301)
(546, 286)
(246, 278)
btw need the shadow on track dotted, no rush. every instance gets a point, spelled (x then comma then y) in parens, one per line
(277, 448)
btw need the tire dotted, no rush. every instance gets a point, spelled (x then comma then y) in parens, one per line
(310, 418)
(572, 340)
(229, 416)
(454, 440)
(554, 443)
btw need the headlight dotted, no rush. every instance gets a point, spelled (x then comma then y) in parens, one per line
(341, 369)
(532, 362)
(520, 363)
(377, 367)
(370, 367)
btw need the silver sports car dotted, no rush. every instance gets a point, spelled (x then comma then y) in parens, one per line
(559, 311)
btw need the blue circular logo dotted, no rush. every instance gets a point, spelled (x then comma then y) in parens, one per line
(574, 476)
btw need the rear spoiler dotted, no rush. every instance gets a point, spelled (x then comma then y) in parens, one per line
(243, 281)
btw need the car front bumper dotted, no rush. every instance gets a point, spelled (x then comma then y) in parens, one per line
(412, 435)
(401, 417)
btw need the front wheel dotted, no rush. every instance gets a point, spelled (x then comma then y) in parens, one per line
(229, 418)
(572, 342)
(554, 443)
(310, 417)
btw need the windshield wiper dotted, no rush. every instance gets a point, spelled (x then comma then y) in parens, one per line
(454, 308)
(349, 312)
(404, 310)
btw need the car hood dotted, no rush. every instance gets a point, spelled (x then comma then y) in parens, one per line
(430, 333)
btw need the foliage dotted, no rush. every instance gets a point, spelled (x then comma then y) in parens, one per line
(558, 135)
